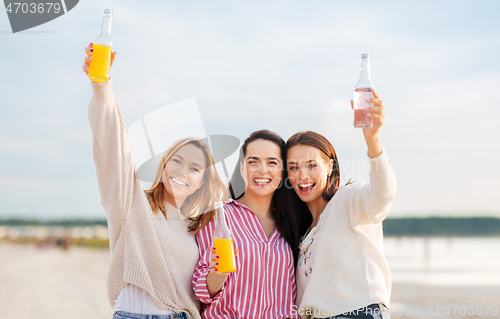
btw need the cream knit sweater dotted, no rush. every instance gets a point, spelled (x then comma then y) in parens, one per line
(341, 265)
(155, 254)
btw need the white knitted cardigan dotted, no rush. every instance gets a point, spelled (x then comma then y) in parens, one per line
(342, 265)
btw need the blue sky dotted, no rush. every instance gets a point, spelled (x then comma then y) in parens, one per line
(285, 66)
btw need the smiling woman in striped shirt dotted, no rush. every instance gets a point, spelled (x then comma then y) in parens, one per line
(265, 235)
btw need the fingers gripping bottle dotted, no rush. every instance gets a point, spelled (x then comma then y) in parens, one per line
(362, 92)
(101, 57)
(223, 241)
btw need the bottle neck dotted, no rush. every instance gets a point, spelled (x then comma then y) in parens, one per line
(222, 216)
(106, 24)
(221, 230)
(365, 70)
(365, 80)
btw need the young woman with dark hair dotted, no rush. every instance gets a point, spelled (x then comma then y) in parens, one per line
(264, 233)
(341, 272)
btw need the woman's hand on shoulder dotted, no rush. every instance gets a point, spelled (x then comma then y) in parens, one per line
(89, 50)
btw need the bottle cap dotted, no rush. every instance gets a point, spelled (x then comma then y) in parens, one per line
(108, 11)
(218, 205)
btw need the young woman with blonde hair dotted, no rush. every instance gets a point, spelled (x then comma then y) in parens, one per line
(153, 252)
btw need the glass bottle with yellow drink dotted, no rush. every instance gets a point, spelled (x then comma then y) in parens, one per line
(101, 57)
(223, 241)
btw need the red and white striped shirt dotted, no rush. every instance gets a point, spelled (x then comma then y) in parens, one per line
(263, 286)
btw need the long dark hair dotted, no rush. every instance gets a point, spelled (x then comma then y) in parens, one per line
(320, 142)
(282, 211)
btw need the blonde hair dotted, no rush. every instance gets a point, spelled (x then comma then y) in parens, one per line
(203, 199)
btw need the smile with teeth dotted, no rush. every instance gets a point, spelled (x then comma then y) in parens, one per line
(178, 182)
(262, 181)
(306, 188)
(303, 185)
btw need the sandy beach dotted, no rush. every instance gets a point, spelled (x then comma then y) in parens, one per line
(56, 284)
(53, 283)
(412, 301)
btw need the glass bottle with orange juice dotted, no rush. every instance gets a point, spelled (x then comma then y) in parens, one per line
(101, 57)
(223, 241)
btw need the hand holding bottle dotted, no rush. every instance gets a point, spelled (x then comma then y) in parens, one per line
(222, 253)
(223, 241)
(216, 280)
(89, 50)
(99, 64)
(214, 259)
(377, 114)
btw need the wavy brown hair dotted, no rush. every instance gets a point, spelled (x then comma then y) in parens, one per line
(203, 199)
(320, 142)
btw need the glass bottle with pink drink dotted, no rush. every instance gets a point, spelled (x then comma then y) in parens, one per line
(363, 92)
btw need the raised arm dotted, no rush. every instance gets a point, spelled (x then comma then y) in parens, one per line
(115, 167)
(370, 203)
